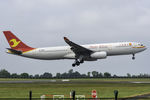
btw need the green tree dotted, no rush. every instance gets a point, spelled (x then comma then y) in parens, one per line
(47, 75)
(100, 75)
(115, 76)
(89, 74)
(128, 75)
(24, 75)
(95, 74)
(4, 74)
(31, 76)
(83, 75)
(37, 76)
(70, 71)
(58, 75)
(14, 75)
(76, 74)
(64, 75)
(106, 74)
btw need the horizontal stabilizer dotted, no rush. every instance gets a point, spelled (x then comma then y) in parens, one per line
(13, 51)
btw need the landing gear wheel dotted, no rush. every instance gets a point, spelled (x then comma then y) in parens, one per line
(133, 58)
(77, 63)
(73, 65)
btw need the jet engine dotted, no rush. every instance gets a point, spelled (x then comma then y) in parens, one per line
(99, 55)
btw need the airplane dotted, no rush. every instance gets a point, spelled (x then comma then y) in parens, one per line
(81, 53)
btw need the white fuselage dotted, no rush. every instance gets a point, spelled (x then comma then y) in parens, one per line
(64, 52)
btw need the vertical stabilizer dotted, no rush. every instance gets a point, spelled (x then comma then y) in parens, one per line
(15, 43)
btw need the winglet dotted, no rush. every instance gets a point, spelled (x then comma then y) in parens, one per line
(66, 39)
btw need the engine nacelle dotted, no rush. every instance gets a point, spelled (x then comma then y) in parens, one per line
(99, 55)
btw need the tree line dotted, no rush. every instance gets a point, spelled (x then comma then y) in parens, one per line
(70, 74)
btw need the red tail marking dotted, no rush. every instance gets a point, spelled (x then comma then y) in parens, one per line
(16, 43)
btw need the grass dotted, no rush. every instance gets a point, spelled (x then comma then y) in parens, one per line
(88, 79)
(81, 86)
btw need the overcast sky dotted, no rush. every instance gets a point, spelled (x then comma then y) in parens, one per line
(44, 23)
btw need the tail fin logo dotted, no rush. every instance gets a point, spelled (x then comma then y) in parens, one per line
(15, 43)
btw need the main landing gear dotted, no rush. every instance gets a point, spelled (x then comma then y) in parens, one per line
(77, 62)
(133, 58)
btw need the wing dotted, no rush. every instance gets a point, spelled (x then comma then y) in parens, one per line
(77, 49)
